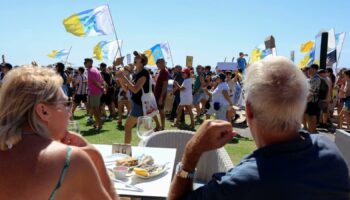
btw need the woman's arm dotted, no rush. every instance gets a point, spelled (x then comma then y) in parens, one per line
(135, 88)
(76, 140)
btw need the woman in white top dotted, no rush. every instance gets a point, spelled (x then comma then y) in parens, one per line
(186, 98)
(221, 100)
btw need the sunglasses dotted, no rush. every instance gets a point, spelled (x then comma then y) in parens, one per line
(67, 104)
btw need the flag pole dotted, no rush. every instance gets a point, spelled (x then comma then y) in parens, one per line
(116, 37)
(65, 63)
(171, 55)
(336, 66)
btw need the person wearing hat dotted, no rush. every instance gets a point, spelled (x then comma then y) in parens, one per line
(96, 89)
(140, 81)
(221, 100)
(185, 97)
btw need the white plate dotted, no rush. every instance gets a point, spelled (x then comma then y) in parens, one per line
(114, 157)
(153, 174)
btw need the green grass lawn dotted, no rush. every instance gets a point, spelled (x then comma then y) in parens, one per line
(111, 134)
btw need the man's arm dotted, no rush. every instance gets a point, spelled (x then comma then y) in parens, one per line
(162, 94)
(212, 134)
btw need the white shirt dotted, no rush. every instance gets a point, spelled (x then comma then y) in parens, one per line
(186, 94)
(218, 96)
(232, 86)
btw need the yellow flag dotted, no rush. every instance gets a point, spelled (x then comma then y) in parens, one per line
(256, 55)
(150, 57)
(52, 54)
(304, 62)
(307, 46)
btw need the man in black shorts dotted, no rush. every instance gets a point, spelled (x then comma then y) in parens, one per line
(107, 98)
(80, 85)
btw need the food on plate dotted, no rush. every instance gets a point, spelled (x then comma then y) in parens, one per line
(146, 161)
(141, 172)
(128, 162)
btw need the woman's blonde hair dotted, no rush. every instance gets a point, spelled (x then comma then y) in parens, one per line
(22, 89)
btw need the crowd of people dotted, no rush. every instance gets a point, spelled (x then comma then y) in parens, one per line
(109, 92)
(289, 163)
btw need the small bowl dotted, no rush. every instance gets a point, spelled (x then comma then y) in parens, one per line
(120, 172)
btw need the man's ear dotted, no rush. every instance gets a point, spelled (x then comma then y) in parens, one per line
(42, 111)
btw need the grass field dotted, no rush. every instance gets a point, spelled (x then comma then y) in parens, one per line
(111, 134)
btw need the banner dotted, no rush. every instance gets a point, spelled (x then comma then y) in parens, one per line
(189, 61)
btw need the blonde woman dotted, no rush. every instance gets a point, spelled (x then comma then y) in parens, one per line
(35, 160)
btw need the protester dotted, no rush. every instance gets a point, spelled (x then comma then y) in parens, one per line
(333, 102)
(340, 84)
(211, 87)
(198, 92)
(33, 163)
(221, 100)
(345, 112)
(325, 99)
(231, 84)
(107, 97)
(80, 85)
(242, 63)
(185, 97)
(139, 85)
(60, 70)
(288, 164)
(161, 88)
(124, 97)
(96, 89)
(179, 80)
(312, 108)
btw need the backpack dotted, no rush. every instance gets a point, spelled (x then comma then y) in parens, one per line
(323, 91)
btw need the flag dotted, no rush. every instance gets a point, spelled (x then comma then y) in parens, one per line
(92, 22)
(107, 50)
(331, 57)
(257, 53)
(307, 46)
(266, 52)
(292, 56)
(128, 58)
(154, 53)
(312, 56)
(339, 40)
(308, 59)
(331, 40)
(166, 50)
(59, 54)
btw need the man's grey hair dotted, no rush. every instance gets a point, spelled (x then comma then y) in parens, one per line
(277, 91)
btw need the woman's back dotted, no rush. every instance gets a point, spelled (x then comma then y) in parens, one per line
(33, 168)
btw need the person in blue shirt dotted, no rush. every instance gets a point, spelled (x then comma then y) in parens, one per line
(242, 63)
(288, 163)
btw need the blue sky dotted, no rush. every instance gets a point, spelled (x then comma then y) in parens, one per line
(208, 30)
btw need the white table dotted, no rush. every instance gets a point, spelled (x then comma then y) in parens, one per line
(154, 187)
